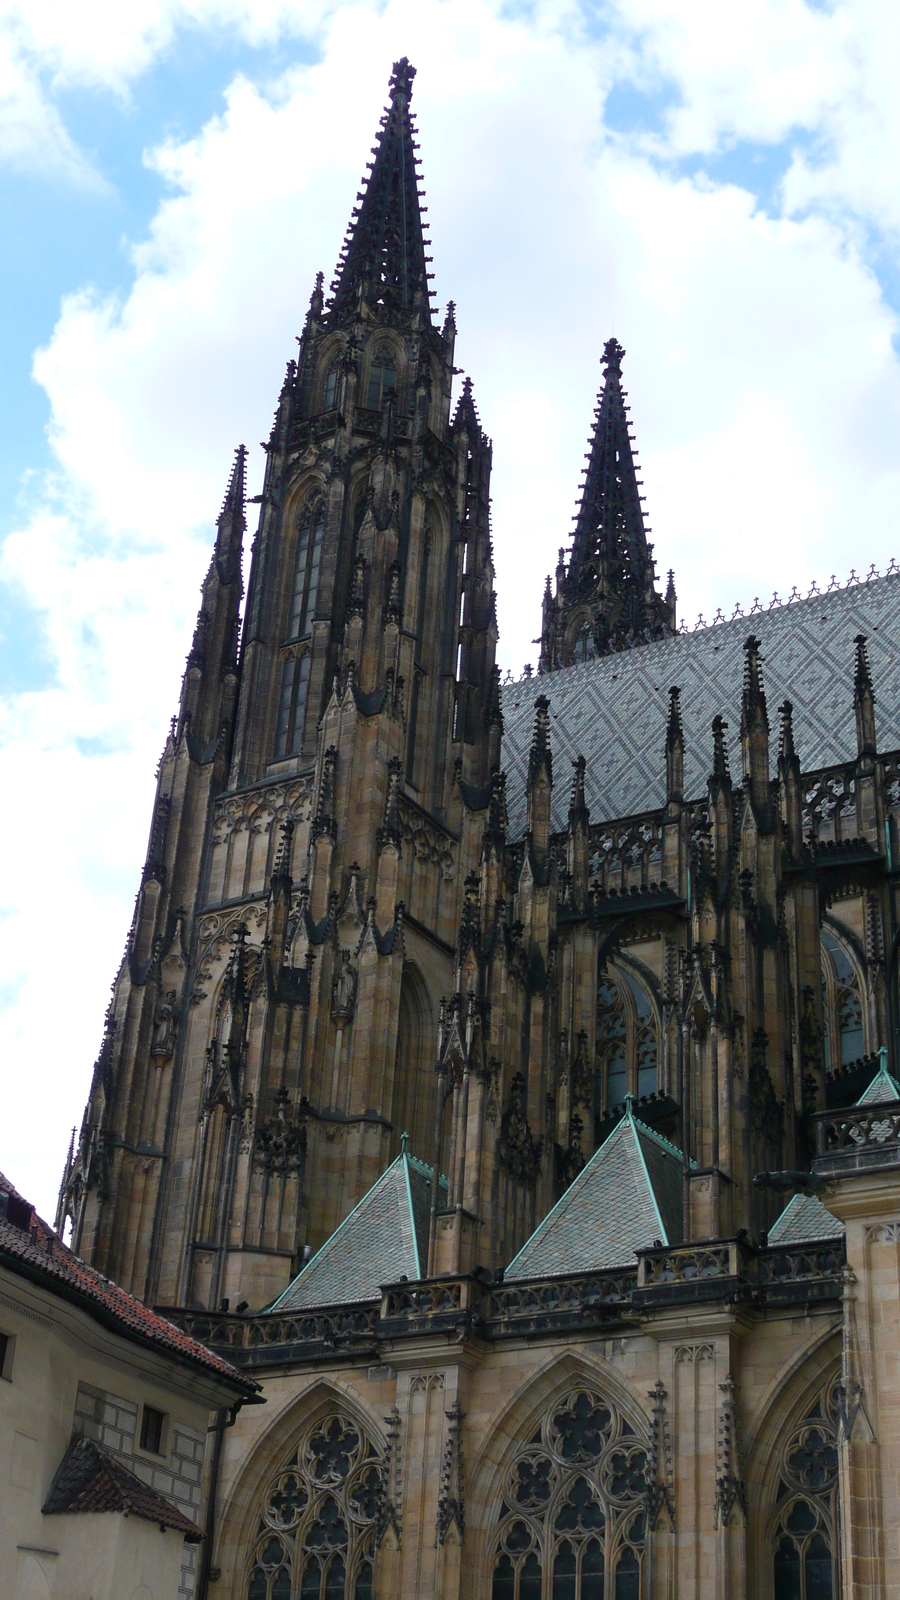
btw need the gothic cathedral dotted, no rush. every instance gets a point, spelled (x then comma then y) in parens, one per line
(507, 1076)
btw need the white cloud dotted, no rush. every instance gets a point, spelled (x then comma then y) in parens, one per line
(760, 364)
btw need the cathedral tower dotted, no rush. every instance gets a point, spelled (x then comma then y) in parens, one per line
(273, 1025)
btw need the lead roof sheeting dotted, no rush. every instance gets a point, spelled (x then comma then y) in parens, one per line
(882, 1088)
(803, 1220)
(384, 1239)
(610, 1210)
(613, 710)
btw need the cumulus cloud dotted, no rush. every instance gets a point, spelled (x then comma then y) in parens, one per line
(761, 367)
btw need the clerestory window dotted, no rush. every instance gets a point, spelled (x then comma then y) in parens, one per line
(316, 1535)
(572, 1522)
(627, 1039)
(382, 380)
(841, 1004)
(310, 533)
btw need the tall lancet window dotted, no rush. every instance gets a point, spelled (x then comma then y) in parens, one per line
(841, 1004)
(382, 380)
(306, 569)
(627, 1039)
(331, 383)
(802, 1531)
(292, 706)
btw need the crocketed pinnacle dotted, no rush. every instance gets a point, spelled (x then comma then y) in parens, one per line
(231, 521)
(786, 751)
(753, 699)
(674, 729)
(383, 260)
(862, 677)
(578, 810)
(236, 492)
(466, 413)
(720, 749)
(540, 754)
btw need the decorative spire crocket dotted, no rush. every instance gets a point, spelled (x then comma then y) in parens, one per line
(383, 262)
(606, 597)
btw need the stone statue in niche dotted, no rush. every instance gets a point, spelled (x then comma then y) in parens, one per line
(165, 1027)
(343, 990)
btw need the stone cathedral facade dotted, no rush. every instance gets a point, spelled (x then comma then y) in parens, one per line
(506, 1076)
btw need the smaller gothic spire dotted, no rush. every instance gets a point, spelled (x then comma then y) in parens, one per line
(282, 868)
(466, 413)
(755, 728)
(753, 699)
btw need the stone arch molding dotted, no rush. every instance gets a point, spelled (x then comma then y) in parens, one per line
(516, 1423)
(274, 1449)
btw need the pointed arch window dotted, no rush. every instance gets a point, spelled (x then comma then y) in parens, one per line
(841, 1004)
(292, 705)
(627, 1040)
(572, 1522)
(329, 397)
(310, 534)
(802, 1542)
(585, 644)
(316, 1538)
(382, 379)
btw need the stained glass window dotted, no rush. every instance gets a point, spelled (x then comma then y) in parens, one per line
(316, 1538)
(573, 1508)
(310, 533)
(292, 706)
(803, 1526)
(627, 1039)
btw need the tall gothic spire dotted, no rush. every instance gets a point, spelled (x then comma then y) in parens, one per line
(383, 258)
(606, 597)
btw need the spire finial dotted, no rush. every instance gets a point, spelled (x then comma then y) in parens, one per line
(674, 729)
(753, 701)
(578, 805)
(401, 78)
(540, 753)
(235, 494)
(862, 677)
(404, 1144)
(720, 748)
(864, 700)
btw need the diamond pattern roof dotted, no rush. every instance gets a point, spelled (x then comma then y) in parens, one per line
(613, 710)
(627, 1197)
(384, 1239)
(803, 1220)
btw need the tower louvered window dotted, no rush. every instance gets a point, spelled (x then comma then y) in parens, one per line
(803, 1525)
(572, 1523)
(306, 570)
(382, 380)
(841, 1004)
(316, 1537)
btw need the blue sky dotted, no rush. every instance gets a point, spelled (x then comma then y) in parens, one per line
(713, 184)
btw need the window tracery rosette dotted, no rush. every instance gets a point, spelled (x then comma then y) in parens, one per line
(572, 1524)
(803, 1537)
(322, 1516)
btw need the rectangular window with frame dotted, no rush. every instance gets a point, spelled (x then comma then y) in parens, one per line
(152, 1429)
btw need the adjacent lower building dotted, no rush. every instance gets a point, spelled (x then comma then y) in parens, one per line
(486, 1071)
(106, 1414)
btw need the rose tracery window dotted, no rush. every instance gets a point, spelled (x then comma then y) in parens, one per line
(627, 1039)
(572, 1522)
(317, 1533)
(841, 1004)
(802, 1534)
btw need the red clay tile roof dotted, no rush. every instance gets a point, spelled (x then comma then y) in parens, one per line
(29, 1247)
(89, 1479)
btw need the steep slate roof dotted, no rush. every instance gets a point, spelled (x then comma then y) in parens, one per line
(30, 1248)
(90, 1479)
(804, 1220)
(627, 1197)
(613, 710)
(384, 1239)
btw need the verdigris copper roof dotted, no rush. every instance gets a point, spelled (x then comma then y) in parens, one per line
(803, 1221)
(384, 1239)
(628, 1197)
(883, 1086)
(613, 710)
